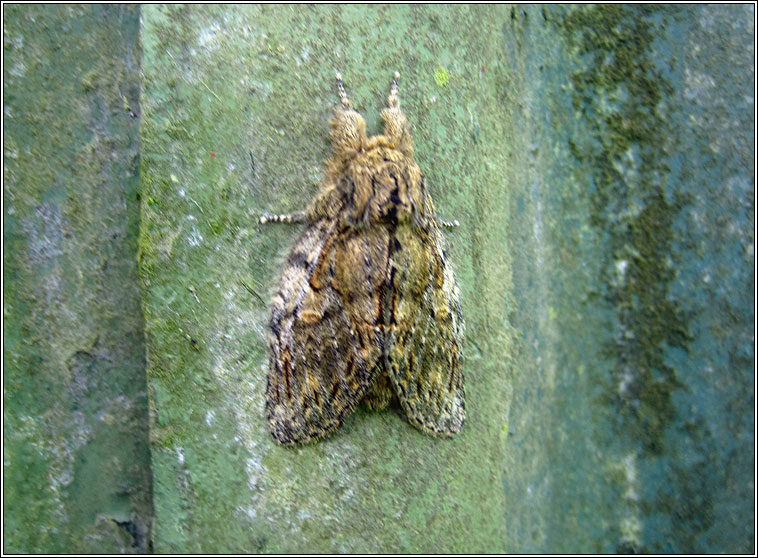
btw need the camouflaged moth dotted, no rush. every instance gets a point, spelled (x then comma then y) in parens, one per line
(367, 307)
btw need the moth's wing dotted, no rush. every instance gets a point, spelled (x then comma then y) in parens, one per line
(425, 332)
(318, 372)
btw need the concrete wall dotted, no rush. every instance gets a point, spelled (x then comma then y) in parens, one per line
(76, 458)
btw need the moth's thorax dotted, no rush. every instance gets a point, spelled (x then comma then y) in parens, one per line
(381, 184)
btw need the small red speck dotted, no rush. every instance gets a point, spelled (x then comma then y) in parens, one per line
(213, 154)
(484, 67)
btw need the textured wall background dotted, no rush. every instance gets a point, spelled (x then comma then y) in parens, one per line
(600, 160)
(236, 110)
(76, 460)
(633, 250)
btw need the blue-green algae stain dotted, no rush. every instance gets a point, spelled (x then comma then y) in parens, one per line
(667, 205)
(631, 210)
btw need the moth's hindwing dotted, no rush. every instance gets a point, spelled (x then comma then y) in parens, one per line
(425, 338)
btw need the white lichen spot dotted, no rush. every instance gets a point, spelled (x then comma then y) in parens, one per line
(630, 470)
(697, 84)
(195, 238)
(627, 165)
(631, 526)
(17, 41)
(208, 38)
(626, 379)
(254, 469)
(305, 55)
(248, 511)
(621, 266)
(18, 69)
(210, 416)
(180, 456)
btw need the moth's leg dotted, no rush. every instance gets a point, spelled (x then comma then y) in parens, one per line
(449, 224)
(341, 90)
(297, 217)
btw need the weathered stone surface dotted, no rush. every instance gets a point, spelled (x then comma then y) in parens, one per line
(632, 243)
(236, 110)
(76, 462)
(600, 160)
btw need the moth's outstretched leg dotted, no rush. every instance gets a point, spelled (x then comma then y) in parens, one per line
(396, 127)
(449, 224)
(297, 217)
(341, 90)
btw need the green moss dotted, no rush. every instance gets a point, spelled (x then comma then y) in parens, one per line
(75, 410)
(630, 208)
(441, 77)
(89, 81)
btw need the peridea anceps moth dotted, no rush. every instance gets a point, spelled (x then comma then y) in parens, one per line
(367, 307)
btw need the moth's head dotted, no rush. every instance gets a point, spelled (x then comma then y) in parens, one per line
(348, 130)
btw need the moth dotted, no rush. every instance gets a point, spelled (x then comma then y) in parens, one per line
(367, 309)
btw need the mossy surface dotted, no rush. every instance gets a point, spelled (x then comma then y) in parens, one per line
(76, 457)
(620, 94)
(555, 135)
(600, 161)
(637, 187)
(665, 96)
(237, 103)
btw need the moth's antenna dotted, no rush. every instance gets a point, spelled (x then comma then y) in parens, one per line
(341, 90)
(393, 100)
